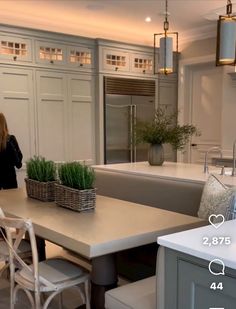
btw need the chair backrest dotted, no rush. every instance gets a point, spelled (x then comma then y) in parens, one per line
(22, 226)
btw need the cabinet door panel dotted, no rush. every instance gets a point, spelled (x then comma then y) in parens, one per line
(51, 115)
(194, 288)
(15, 48)
(16, 88)
(50, 53)
(81, 116)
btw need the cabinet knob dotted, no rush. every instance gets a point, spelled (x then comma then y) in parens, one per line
(51, 61)
(15, 58)
(116, 68)
(81, 64)
(144, 71)
(193, 145)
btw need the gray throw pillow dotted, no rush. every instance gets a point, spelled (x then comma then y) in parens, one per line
(217, 199)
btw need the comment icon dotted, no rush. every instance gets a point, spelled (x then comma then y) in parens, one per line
(214, 272)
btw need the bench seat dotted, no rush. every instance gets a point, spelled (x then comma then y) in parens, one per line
(137, 295)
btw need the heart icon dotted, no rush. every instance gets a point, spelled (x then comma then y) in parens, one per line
(216, 220)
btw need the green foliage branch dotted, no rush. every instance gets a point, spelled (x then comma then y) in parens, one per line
(163, 129)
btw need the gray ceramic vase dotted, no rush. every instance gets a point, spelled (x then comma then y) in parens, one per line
(156, 154)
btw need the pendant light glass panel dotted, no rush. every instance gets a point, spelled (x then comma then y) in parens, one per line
(166, 55)
(227, 37)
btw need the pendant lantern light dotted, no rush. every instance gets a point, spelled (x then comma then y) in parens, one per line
(164, 65)
(226, 37)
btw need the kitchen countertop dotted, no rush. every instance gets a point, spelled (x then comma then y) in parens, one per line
(170, 170)
(183, 242)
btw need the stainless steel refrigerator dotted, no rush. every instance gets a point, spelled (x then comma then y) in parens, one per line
(121, 114)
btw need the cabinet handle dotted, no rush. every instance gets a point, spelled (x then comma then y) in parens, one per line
(51, 61)
(15, 58)
(193, 145)
(116, 68)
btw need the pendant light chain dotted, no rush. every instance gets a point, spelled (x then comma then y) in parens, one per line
(166, 22)
(229, 7)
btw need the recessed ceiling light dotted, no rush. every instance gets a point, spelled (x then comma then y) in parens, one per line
(148, 19)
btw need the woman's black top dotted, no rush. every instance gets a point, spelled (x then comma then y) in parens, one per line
(10, 158)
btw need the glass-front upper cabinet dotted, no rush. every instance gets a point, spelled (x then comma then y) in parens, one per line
(78, 56)
(15, 48)
(142, 63)
(50, 53)
(115, 60)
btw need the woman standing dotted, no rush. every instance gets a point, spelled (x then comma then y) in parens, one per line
(10, 156)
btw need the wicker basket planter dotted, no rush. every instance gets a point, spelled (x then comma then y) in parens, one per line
(43, 191)
(78, 200)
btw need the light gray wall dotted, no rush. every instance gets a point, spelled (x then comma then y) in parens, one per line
(198, 48)
(206, 47)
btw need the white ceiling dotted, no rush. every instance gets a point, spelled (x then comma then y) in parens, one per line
(121, 20)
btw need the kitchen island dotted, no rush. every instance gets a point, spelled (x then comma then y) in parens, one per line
(186, 266)
(169, 170)
(172, 186)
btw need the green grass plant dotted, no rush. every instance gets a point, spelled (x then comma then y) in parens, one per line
(40, 169)
(76, 175)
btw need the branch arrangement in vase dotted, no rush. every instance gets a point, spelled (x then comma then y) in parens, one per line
(164, 129)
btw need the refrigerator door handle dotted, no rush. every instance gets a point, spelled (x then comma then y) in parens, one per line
(133, 143)
(131, 132)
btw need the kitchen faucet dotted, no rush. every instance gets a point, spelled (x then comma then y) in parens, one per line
(234, 155)
(206, 169)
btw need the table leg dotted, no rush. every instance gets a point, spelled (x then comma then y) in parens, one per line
(103, 278)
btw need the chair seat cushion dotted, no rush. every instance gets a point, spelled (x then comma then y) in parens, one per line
(136, 295)
(56, 270)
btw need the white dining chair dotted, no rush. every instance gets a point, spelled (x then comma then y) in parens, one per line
(48, 278)
(24, 250)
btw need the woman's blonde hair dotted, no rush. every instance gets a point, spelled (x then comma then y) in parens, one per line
(3, 132)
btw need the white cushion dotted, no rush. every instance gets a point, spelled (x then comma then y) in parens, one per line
(137, 295)
(217, 199)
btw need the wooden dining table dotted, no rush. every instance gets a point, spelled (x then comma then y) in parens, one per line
(96, 235)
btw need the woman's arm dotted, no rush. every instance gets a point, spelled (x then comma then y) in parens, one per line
(16, 153)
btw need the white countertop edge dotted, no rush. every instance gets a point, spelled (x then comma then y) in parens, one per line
(199, 254)
(190, 242)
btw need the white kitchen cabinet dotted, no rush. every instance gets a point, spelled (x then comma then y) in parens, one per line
(50, 53)
(51, 115)
(15, 48)
(65, 116)
(115, 60)
(17, 104)
(188, 281)
(80, 57)
(142, 63)
(81, 116)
